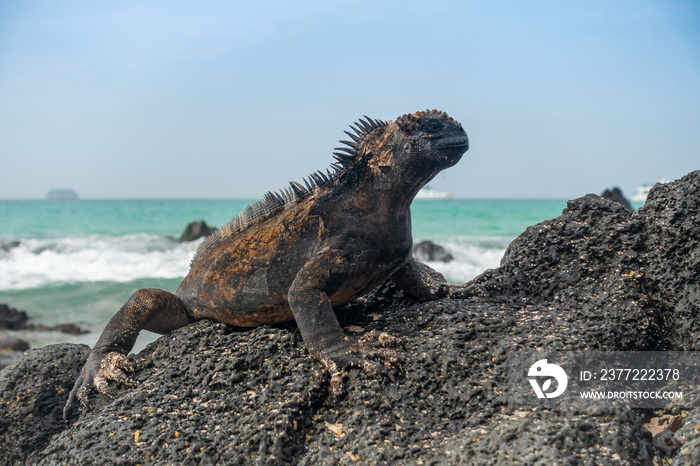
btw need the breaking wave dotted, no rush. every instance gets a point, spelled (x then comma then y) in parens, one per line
(472, 256)
(40, 262)
(36, 263)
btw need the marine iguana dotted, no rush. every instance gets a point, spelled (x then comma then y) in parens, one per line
(300, 252)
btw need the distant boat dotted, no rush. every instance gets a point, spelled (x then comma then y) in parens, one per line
(427, 193)
(643, 191)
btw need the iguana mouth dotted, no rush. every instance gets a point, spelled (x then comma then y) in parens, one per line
(452, 149)
(454, 143)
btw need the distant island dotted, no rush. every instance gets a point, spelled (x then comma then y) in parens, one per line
(62, 195)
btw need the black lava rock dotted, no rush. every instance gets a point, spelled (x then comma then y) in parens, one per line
(429, 251)
(596, 278)
(11, 349)
(13, 344)
(31, 393)
(195, 230)
(615, 194)
(11, 318)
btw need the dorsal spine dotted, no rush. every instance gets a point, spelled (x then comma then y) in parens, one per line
(275, 202)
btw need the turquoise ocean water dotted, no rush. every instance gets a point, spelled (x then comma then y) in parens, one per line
(79, 261)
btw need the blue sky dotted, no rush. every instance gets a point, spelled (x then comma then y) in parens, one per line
(225, 99)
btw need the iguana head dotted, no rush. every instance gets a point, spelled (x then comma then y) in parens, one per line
(405, 154)
(385, 163)
(436, 140)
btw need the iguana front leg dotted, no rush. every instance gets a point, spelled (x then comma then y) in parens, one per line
(148, 309)
(417, 282)
(322, 334)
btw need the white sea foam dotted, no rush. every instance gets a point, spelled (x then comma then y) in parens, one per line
(472, 256)
(40, 262)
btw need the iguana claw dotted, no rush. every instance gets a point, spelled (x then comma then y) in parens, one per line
(370, 359)
(98, 370)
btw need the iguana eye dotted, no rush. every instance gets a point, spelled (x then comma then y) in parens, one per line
(433, 127)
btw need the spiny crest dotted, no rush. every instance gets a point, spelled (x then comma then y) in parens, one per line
(274, 202)
(362, 129)
(411, 121)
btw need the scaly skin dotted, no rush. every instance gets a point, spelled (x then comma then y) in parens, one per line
(300, 253)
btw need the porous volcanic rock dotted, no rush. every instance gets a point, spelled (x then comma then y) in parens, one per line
(596, 278)
(31, 393)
